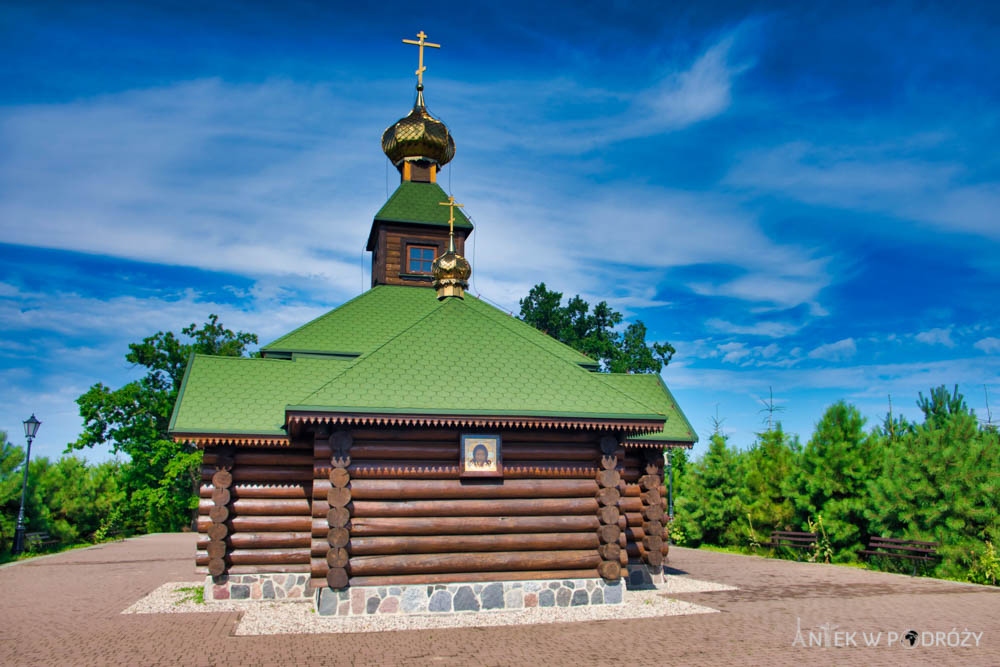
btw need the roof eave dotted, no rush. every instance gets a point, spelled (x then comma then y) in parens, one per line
(299, 416)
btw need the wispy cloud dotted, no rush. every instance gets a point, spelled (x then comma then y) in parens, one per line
(989, 345)
(839, 351)
(883, 178)
(936, 336)
(769, 329)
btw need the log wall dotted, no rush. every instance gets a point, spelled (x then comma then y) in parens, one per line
(268, 514)
(397, 511)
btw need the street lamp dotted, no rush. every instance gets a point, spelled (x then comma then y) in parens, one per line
(668, 456)
(31, 425)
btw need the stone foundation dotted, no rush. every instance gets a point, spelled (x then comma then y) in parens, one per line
(643, 577)
(457, 598)
(278, 587)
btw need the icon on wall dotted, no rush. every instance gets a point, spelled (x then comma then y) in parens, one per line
(480, 456)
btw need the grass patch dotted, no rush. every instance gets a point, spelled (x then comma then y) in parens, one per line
(194, 594)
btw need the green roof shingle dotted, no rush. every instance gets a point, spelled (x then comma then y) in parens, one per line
(650, 389)
(418, 203)
(241, 395)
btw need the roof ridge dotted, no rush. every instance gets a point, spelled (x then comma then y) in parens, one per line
(656, 410)
(367, 355)
(513, 318)
(571, 364)
(674, 404)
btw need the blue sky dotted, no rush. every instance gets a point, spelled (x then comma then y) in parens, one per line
(797, 197)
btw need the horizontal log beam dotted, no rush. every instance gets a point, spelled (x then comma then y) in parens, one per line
(417, 450)
(259, 557)
(262, 540)
(631, 490)
(261, 506)
(265, 458)
(428, 544)
(454, 508)
(238, 491)
(267, 569)
(460, 526)
(447, 489)
(264, 474)
(254, 524)
(630, 504)
(473, 562)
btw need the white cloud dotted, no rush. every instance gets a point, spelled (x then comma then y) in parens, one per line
(883, 179)
(770, 329)
(989, 345)
(936, 336)
(839, 351)
(733, 352)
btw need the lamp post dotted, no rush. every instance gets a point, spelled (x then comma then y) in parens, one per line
(31, 425)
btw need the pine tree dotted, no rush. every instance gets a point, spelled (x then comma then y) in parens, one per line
(941, 483)
(708, 506)
(835, 468)
(771, 462)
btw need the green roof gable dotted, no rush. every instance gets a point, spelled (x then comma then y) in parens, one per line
(457, 360)
(651, 390)
(417, 203)
(367, 321)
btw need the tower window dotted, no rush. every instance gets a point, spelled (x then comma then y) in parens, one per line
(419, 258)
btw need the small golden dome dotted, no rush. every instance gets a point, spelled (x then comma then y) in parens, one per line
(418, 135)
(451, 274)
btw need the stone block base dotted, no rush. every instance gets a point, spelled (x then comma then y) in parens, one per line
(458, 598)
(643, 577)
(277, 587)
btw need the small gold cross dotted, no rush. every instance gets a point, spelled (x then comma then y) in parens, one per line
(420, 68)
(451, 212)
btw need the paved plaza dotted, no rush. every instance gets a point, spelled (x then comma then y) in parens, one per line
(66, 609)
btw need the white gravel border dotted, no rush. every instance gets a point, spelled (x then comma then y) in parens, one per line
(298, 617)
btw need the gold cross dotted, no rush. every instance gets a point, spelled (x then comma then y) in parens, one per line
(420, 68)
(451, 212)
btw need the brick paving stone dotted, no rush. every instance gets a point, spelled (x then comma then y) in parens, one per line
(66, 609)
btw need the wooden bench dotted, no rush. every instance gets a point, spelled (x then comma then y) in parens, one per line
(891, 547)
(38, 540)
(792, 539)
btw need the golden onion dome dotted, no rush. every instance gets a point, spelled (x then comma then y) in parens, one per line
(418, 135)
(451, 274)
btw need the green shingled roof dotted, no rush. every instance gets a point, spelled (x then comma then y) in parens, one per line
(365, 322)
(457, 360)
(415, 354)
(650, 389)
(240, 395)
(418, 203)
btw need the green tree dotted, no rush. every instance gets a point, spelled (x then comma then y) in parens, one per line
(770, 465)
(709, 508)
(159, 481)
(593, 332)
(941, 483)
(835, 469)
(11, 460)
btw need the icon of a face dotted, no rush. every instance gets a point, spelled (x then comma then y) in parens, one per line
(480, 455)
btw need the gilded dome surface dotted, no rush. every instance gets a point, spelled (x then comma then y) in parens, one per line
(451, 274)
(418, 135)
(451, 266)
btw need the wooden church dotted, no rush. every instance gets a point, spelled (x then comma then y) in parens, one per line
(417, 450)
